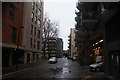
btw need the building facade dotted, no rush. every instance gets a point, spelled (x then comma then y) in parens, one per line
(96, 24)
(32, 38)
(59, 47)
(12, 20)
(73, 48)
(21, 32)
(51, 47)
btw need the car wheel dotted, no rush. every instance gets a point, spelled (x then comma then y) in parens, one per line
(97, 69)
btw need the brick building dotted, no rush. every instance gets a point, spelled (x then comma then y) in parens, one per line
(12, 19)
(21, 32)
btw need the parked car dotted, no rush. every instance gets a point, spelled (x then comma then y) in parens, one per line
(74, 58)
(53, 60)
(98, 66)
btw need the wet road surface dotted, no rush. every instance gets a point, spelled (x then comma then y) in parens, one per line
(64, 68)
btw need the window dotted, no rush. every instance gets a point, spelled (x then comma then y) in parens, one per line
(35, 19)
(39, 1)
(38, 34)
(33, 5)
(39, 23)
(30, 42)
(31, 29)
(39, 11)
(14, 34)
(34, 43)
(11, 13)
(35, 31)
(36, 8)
(32, 16)
(38, 44)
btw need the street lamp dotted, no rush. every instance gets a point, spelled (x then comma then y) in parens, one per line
(17, 49)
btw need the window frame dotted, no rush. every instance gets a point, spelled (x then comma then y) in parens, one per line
(14, 34)
(11, 12)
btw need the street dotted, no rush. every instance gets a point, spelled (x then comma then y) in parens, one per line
(64, 68)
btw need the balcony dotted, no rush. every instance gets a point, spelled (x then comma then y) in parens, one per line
(90, 23)
(79, 39)
(69, 39)
(78, 19)
(81, 32)
(78, 13)
(89, 20)
(78, 26)
(80, 6)
(109, 5)
(78, 44)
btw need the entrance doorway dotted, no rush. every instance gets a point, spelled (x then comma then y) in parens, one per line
(28, 58)
(115, 63)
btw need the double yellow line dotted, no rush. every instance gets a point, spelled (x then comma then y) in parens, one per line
(15, 72)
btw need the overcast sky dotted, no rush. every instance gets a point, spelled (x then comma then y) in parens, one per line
(62, 11)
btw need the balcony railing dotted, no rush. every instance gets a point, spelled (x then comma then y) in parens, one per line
(77, 13)
(79, 39)
(89, 20)
(79, 5)
(78, 19)
(77, 26)
(90, 23)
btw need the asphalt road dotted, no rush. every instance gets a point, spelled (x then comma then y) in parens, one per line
(64, 68)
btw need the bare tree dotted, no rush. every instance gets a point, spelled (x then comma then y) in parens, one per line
(50, 29)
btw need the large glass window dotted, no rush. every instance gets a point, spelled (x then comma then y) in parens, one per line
(11, 12)
(14, 34)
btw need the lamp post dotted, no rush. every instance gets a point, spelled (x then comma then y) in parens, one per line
(17, 49)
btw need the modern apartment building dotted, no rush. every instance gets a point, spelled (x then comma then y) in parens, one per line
(51, 47)
(59, 47)
(97, 25)
(73, 48)
(32, 38)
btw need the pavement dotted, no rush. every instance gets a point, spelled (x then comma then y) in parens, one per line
(21, 66)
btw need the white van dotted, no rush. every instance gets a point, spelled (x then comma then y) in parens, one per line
(98, 59)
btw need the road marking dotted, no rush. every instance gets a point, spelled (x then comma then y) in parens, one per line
(87, 77)
(15, 72)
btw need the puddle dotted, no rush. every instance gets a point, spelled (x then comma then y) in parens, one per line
(59, 69)
(66, 70)
(55, 70)
(66, 64)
